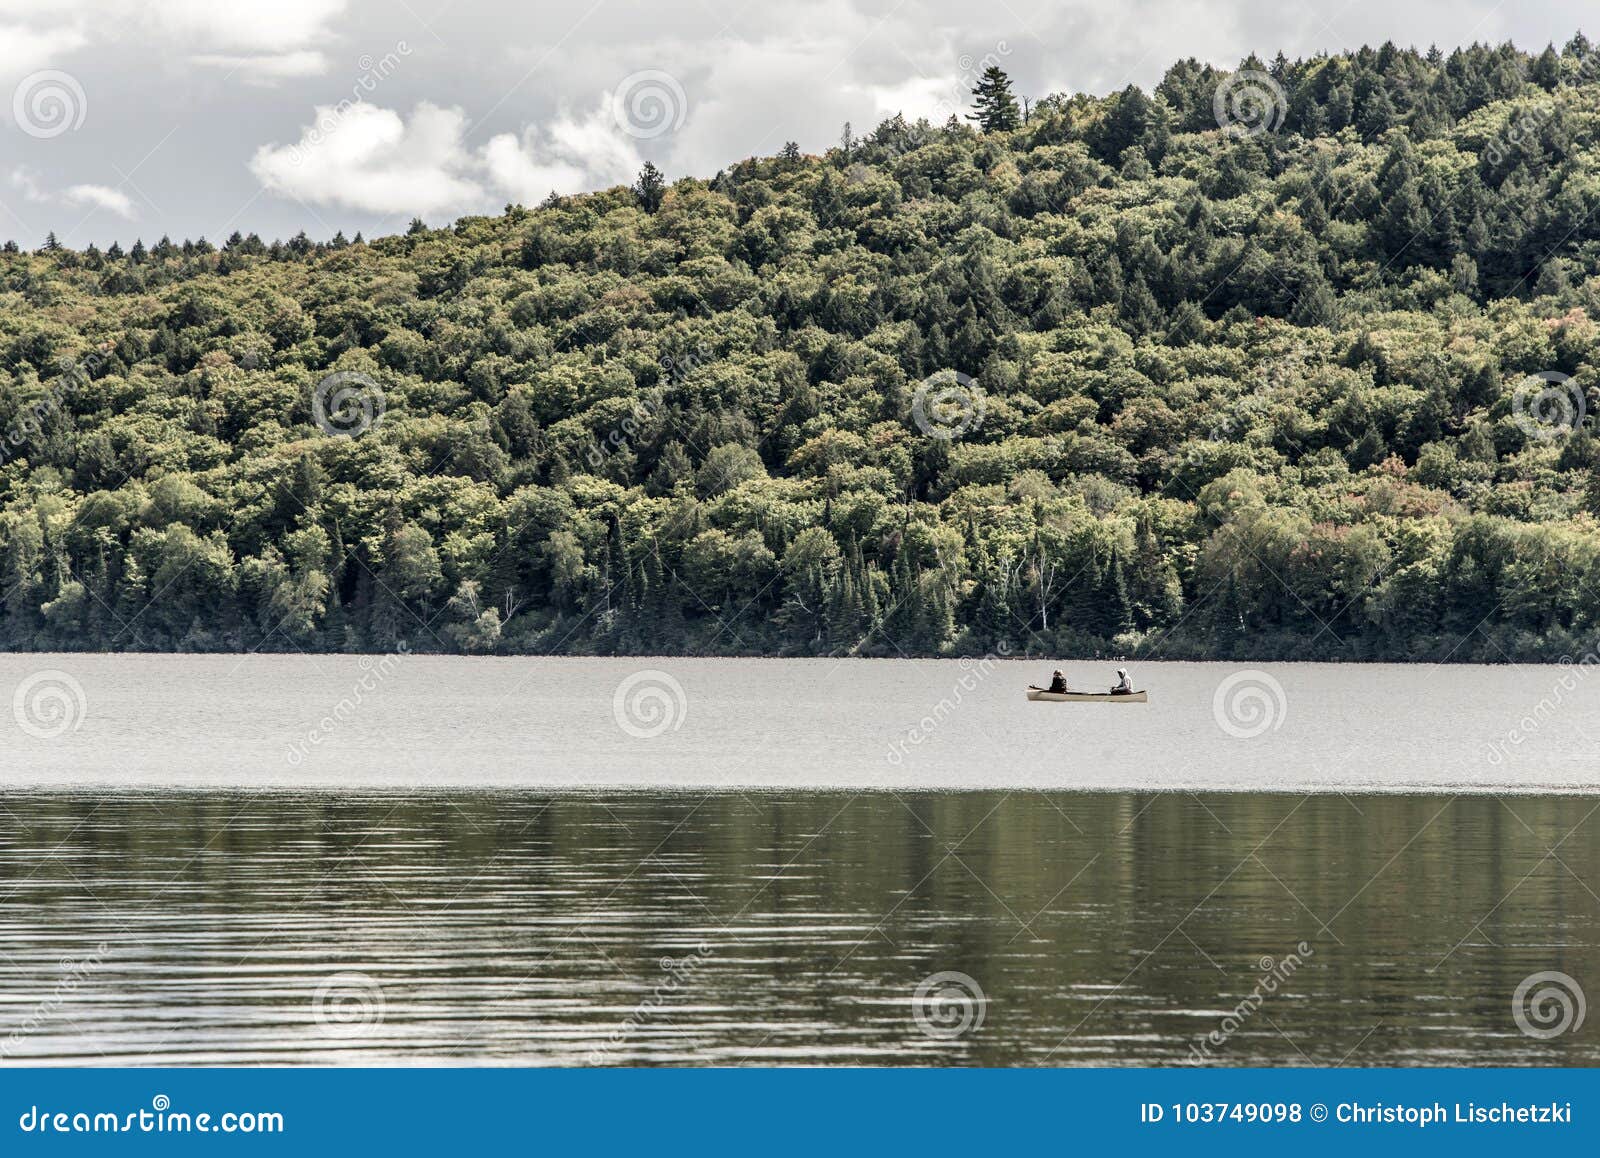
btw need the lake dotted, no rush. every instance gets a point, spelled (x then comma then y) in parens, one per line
(407, 721)
(612, 862)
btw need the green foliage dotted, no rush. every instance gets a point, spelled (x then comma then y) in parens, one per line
(1115, 380)
(994, 107)
(650, 187)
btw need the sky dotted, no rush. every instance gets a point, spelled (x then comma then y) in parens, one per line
(124, 119)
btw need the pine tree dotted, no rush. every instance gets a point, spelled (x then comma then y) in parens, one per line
(650, 188)
(995, 108)
(1546, 69)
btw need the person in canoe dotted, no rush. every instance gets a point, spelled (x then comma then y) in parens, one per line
(1123, 686)
(1058, 682)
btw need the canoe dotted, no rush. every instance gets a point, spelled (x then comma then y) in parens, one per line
(1086, 697)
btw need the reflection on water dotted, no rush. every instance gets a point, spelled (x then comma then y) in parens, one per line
(726, 929)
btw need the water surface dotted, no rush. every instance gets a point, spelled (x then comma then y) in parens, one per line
(430, 722)
(756, 928)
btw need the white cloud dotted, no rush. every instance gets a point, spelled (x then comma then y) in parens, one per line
(772, 73)
(262, 41)
(24, 50)
(365, 157)
(270, 25)
(25, 181)
(100, 197)
(274, 26)
(570, 155)
(266, 69)
(270, 40)
(932, 97)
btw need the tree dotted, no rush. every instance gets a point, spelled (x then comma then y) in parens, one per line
(650, 187)
(995, 109)
(1118, 379)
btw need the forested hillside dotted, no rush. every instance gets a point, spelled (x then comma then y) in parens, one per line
(1316, 384)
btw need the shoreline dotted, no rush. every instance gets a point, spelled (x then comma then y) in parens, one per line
(665, 657)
